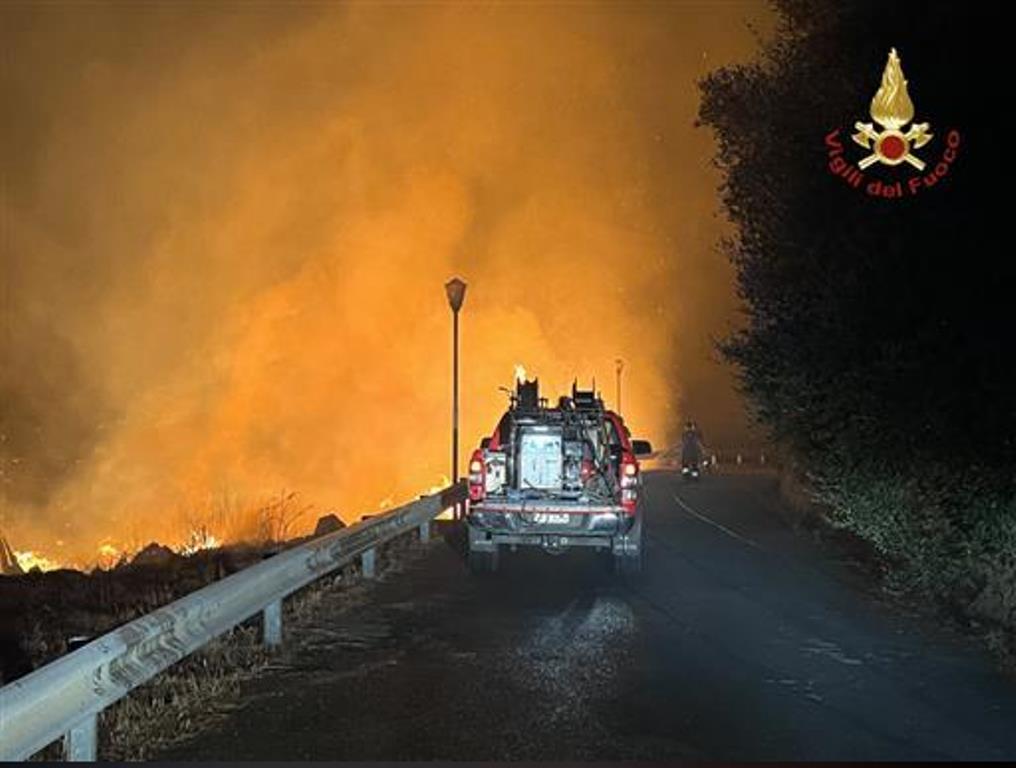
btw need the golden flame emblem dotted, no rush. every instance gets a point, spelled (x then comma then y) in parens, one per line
(892, 109)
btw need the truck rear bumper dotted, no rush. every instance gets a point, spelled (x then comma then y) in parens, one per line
(536, 525)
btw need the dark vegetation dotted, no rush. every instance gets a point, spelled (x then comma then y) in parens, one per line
(43, 612)
(878, 333)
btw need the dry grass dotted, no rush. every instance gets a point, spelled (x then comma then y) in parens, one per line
(226, 518)
(173, 705)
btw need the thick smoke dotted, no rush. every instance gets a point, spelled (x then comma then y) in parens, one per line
(226, 229)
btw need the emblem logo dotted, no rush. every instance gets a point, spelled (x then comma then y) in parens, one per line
(892, 109)
(892, 143)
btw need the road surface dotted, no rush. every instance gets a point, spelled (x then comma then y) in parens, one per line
(744, 642)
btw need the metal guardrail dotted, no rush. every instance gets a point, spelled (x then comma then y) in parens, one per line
(65, 697)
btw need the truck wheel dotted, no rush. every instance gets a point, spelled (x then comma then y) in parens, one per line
(482, 561)
(632, 559)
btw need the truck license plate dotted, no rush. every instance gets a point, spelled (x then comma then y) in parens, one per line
(550, 518)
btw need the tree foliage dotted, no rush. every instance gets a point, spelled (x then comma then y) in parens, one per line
(878, 331)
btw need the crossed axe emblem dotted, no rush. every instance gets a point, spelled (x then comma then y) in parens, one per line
(891, 146)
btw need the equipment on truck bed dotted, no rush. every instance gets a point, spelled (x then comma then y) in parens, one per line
(556, 477)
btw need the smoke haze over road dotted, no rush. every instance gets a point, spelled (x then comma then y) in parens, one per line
(226, 228)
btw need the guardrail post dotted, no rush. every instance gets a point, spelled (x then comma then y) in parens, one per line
(367, 564)
(271, 624)
(80, 743)
(425, 531)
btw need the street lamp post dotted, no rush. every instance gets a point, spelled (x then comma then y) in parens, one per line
(619, 366)
(456, 291)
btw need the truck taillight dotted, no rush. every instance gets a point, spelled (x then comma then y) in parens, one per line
(477, 477)
(629, 474)
(629, 485)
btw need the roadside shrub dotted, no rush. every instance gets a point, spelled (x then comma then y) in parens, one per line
(955, 542)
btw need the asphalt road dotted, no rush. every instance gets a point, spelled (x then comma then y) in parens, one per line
(743, 642)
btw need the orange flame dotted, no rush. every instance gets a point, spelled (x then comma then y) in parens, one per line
(29, 561)
(109, 556)
(198, 540)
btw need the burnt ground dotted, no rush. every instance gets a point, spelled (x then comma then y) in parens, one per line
(744, 641)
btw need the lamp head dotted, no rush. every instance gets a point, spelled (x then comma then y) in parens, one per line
(456, 290)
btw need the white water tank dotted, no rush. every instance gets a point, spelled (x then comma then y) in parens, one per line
(540, 458)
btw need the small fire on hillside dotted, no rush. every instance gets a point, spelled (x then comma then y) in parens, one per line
(108, 555)
(29, 561)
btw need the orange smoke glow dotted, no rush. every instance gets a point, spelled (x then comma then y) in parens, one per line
(229, 244)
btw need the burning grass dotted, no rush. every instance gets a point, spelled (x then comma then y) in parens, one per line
(218, 521)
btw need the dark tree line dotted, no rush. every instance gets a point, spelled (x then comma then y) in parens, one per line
(883, 328)
(879, 333)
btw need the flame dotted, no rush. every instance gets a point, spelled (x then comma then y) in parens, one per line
(198, 540)
(520, 373)
(32, 560)
(891, 107)
(108, 557)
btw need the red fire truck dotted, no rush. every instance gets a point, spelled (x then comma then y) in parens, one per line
(557, 477)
